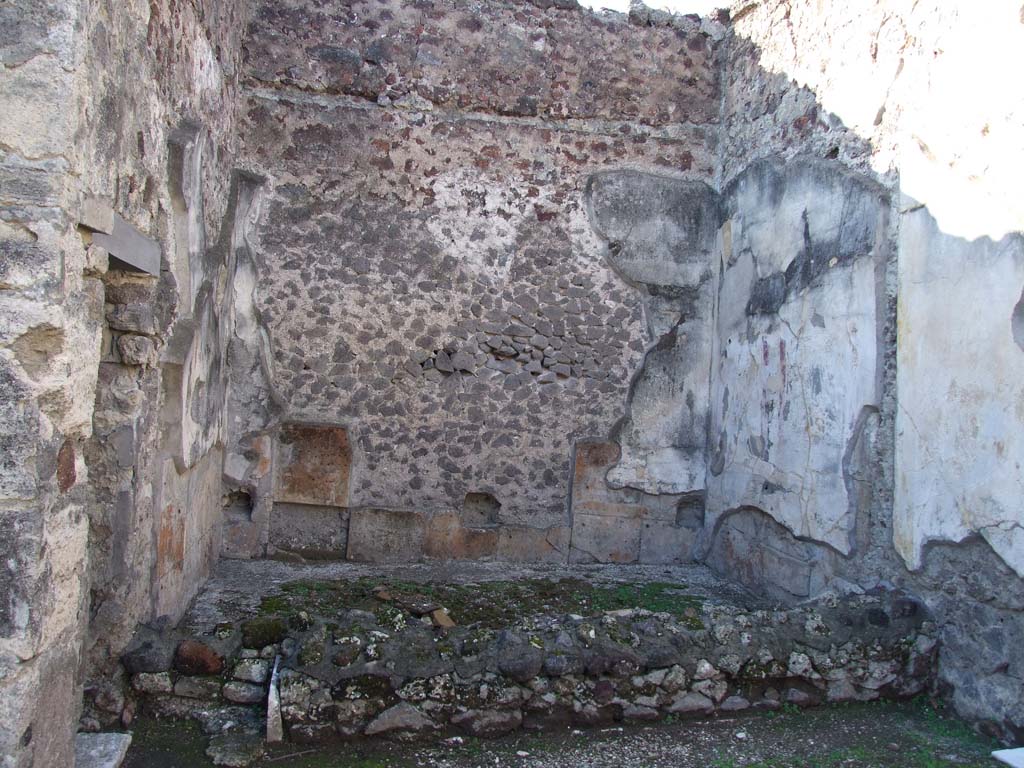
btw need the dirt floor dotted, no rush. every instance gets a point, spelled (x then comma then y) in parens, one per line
(493, 593)
(910, 735)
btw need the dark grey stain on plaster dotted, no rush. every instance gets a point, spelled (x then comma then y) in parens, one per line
(849, 233)
(1017, 322)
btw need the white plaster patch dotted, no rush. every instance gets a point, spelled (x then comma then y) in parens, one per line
(206, 72)
(477, 221)
(787, 400)
(960, 422)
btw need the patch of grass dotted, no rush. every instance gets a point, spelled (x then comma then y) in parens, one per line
(166, 744)
(941, 723)
(274, 604)
(657, 596)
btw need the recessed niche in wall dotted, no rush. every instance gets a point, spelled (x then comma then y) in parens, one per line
(238, 505)
(690, 510)
(480, 510)
(313, 465)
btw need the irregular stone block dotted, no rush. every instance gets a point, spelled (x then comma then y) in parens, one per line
(386, 536)
(196, 658)
(101, 750)
(691, 703)
(149, 651)
(313, 465)
(488, 723)
(137, 350)
(401, 718)
(715, 690)
(152, 682)
(134, 318)
(802, 698)
(252, 671)
(520, 661)
(243, 693)
(463, 361)
(735, 704)
(447, 539)
(261, 632)
(205, 688)
(442, 619)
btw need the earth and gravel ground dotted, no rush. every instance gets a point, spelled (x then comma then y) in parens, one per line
(909, 735)
(490, 592)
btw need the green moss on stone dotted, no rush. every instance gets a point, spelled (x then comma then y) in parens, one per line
(263, 631)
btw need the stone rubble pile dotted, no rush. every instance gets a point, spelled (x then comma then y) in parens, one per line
(391, 673)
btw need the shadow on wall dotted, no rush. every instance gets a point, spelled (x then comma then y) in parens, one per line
(980, 604)
(906, 472)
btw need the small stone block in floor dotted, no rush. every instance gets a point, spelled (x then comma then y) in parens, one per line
(1012, 757)
(101, 750)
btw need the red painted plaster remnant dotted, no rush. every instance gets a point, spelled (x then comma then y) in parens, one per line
(66, 472)
(315, 463)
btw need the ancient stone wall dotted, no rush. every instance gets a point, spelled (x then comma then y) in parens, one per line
(507, 280)
(395, 141)
(49, 344)
(107, 107)
(164, 162)
(432, 282)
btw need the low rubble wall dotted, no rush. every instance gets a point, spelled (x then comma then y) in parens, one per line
(391, 672)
